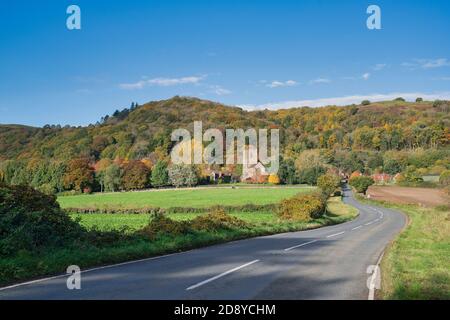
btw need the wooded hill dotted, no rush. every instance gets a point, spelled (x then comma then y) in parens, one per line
(135, 133)
(386, 136)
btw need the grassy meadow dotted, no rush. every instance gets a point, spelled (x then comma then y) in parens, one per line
(266, 220)
(195, 198)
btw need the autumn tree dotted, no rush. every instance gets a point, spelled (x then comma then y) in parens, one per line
(79, 175)
(135, 176)
(328, 183)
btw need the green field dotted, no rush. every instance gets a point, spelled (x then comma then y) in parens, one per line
(133, 222)
(194, 198)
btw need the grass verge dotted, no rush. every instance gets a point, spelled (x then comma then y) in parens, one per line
(416, 265)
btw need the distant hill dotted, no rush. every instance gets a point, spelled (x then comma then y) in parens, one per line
(136, 133)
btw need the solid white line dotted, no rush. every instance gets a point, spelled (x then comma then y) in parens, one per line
(374, 278)
(221, 275)
(300, 245)
(336, 234)
(355, 228)
(368, 223)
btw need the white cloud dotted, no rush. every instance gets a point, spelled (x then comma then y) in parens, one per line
(277, 84)
(427, 63)
(366, 76)
(379, 66)
(220, 91)
(347, 100)
(320, 80)
(162, 82)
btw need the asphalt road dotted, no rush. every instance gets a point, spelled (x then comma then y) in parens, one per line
(327, 263)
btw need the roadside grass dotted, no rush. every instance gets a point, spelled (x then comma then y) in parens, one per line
(195, 198)
(417, 264)
(50, 261)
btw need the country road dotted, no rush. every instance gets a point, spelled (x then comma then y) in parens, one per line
(326, 263)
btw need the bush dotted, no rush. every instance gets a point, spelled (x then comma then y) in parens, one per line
(365, 102)
(302, 207)
(444, 178)
(274, 179)
(215, 221)
(361, 184)
(328, 183)
(30, 220)
(161, 225)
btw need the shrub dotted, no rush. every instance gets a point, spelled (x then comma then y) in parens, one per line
(444, 178)
(365, 102)
(302, 207)
(30, 220)
(162, 225)
(361, 184)
(274, 179)
(216, 220)
(328, 183)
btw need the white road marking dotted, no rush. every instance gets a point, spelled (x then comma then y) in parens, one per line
(300, 245)
(374, 278)
(336, 234)
(220, 275)
(355, 228)
(368, 223)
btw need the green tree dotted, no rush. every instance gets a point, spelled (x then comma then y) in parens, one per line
(182, 175)
(112, 178)
(160, 175)
(392, 166)
(287, 172)
(311, 174)
(328, 183)
(361, 184)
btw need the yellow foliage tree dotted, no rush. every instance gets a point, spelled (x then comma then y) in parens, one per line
(274, 179)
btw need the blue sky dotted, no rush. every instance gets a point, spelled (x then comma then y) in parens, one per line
(254, 54)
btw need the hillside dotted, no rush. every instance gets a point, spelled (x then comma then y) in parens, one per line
(379, 126)
(121, 151)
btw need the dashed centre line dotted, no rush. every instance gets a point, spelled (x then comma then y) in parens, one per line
(221, 275)
(335, 234)
(356, 228)
(300, 245)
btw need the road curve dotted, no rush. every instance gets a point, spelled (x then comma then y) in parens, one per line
(326, 263)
